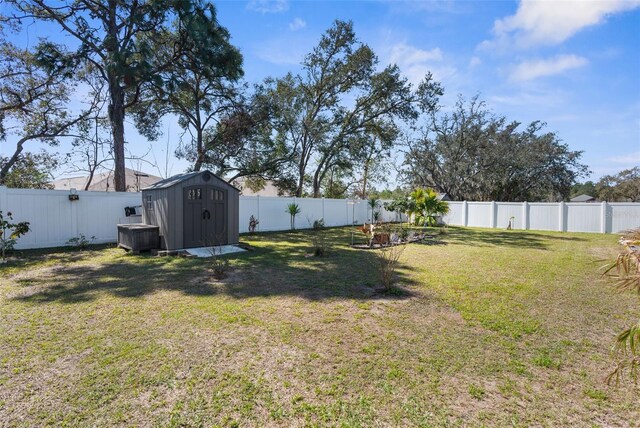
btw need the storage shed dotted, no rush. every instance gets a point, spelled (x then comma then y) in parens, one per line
(196, 209)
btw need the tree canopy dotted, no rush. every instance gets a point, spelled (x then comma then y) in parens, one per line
(115, 37)
(314, 119)
(473, 154)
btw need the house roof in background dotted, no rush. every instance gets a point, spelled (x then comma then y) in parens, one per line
(103, 182)
(583, 198)
(269, 189)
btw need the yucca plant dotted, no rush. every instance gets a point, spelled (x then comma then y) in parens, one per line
(293, 210)
(625, 273)
(374, 204)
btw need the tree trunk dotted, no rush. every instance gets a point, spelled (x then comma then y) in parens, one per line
(365, 175)
(116, 117)
(11, 161)
(300, 180)
(199, 150)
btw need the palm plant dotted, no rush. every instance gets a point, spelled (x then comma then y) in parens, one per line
(293, 210)
(427, 206)
(433, 207)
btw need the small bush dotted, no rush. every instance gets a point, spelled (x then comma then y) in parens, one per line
(219, 265)
(253, 223)
(10, 232)
(387, 260)
(81, 242)
(319, 238)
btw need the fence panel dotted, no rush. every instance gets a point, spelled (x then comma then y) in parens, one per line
(479, 214)
(249, 207)
(583, 217)
(455, 217)
(623, 216)
(544, 216)
(311, 210)
(273, 213)
(55, 219)
(507, 210)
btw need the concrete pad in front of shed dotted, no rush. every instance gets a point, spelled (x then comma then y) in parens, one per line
(219, 250)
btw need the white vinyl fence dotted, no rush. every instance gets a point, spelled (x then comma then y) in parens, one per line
(54, 219)
(601, 217)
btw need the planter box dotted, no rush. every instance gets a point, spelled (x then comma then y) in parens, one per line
(138, 237)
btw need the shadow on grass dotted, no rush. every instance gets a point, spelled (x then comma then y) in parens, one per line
(508, 238)
(279, 266)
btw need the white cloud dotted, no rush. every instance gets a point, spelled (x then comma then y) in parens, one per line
(415, 63)
(628, 159)
(552, 22)
(268, 6)
(529, 70)
(406, 54)
(297, 24)
(283, 50)
(474, 62)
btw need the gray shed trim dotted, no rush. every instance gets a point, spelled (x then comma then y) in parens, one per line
(173, 180)
(164, 206)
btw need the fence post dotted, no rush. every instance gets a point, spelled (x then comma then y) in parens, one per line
(525, 215)
(258, 209)
(346, 205)
(74, 216)
(465, 214)
(603, 217)
(323, 208)
(561, 225)
(4, 199)
(494, 214)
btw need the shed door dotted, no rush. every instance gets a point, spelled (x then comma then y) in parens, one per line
(195, 214)
(205, 222)
(218, 202)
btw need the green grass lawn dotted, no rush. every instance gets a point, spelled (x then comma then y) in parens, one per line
(485, 327)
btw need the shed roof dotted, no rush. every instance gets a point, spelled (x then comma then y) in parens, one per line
(179, 178)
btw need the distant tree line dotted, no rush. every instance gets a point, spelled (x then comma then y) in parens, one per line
(621, 187)
(330, 130)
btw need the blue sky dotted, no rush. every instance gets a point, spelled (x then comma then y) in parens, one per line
(574, 65)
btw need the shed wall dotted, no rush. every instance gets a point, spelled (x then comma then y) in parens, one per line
(168, 207)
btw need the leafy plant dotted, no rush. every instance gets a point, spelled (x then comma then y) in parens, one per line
(293, 210)
(387, 261)
(81, 242)
(422, 205)
(10, 232)
(428, 207)
(219, 265)
(625, 273)
(253, 222)
(319, 238)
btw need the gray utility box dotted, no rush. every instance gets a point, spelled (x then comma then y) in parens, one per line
(138, 237)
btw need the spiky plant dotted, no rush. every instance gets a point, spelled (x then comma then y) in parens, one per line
(625, 273)
(293, 210)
